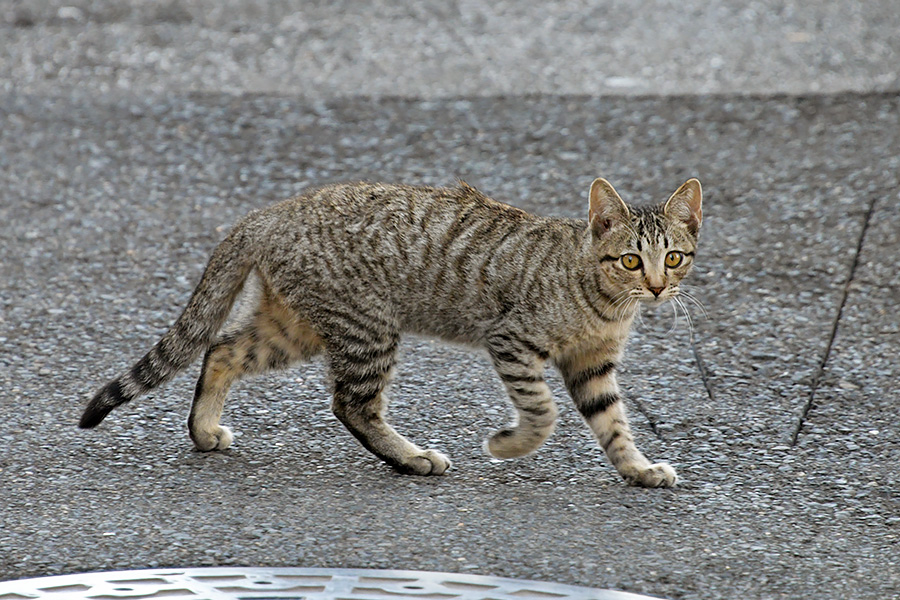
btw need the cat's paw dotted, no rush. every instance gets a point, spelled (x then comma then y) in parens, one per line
(218, 439)
(512, 443)
(659, 475)
(429, 462)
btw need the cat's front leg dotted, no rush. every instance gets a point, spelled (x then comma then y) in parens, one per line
(592, 383)
(521, 367)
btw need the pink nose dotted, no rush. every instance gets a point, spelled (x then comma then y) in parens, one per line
(656, 290)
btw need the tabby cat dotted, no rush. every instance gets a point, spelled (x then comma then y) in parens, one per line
(346, 269)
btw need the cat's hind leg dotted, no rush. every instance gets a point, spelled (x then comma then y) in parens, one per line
(272, 338)
(361, 364)
(521, 367)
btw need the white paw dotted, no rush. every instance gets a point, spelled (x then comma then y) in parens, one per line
(654, 476)
(219, 439)
(513, 443)
(429, 462)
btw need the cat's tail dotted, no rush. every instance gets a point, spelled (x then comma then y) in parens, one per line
(193, 332)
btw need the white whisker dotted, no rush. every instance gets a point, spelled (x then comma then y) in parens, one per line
(621, 303)
(695, 302)
(638, 313)
(675, 319)
(687, 316)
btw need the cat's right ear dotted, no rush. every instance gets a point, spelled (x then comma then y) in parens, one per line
(607, 209)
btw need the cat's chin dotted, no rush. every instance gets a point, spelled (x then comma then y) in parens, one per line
(654, 302)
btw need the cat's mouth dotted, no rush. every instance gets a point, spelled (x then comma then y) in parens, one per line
(654, 302)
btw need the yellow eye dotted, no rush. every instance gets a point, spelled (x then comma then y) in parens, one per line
(673, 259)
(631, 262)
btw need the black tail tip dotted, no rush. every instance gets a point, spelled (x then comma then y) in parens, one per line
(101, 405)
(93, 416)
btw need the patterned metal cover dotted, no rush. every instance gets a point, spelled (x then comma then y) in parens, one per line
(224, 583)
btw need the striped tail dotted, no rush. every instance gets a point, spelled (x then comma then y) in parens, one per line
(193, 332)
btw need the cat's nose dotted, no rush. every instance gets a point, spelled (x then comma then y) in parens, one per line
(656, 290)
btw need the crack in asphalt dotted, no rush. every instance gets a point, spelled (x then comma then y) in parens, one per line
(643, 410)
(817, 378)
(704, 374)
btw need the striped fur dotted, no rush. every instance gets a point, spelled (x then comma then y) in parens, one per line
(345, 270)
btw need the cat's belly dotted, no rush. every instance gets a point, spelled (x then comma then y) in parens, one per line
(447, 324)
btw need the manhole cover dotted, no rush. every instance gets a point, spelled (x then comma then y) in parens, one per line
(223, 583)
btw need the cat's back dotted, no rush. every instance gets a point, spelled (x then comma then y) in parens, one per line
(398, 204)
(385, 217)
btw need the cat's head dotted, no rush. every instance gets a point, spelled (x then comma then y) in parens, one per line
(644, 252)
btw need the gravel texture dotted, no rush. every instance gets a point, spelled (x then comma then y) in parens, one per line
(438, 48)
(111, 202)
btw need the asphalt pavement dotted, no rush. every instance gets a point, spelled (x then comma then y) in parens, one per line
(133, 134)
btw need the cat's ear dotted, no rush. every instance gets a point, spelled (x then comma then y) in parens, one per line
(607, 209)
(685, 205)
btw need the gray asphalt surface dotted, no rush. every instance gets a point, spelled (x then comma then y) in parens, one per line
(133, 134)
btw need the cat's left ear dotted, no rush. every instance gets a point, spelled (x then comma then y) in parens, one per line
(685, 205)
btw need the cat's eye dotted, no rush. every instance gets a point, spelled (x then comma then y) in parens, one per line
(673, 259)
(631, 261)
